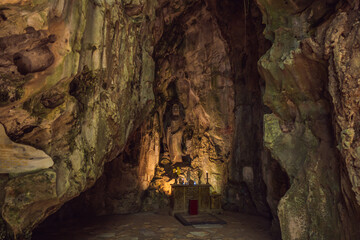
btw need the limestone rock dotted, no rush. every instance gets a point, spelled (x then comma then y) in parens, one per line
(344, 56)
(122, 93)
(190, 128)
(28, 198)
(89, 71)
(297, 132)
(20, 158)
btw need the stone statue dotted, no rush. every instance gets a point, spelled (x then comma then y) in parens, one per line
(174, 134)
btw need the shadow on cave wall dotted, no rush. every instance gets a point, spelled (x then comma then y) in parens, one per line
(256, 182)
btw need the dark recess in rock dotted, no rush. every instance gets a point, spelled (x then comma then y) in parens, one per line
(52, 99)
(34, 60)
(133, 10)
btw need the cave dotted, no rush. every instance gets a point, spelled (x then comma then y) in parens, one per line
(111, 112)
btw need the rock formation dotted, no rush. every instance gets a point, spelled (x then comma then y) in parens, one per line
(302, 90)
(19, 158)
(76, 80)
(106, 103)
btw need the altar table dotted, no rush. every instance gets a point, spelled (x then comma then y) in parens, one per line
(181, 194)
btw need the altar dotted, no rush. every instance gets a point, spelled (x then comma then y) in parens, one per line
(181, 194)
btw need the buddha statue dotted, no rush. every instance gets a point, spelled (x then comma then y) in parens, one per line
(174, 134)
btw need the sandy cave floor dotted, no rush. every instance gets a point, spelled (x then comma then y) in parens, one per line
(156, 226)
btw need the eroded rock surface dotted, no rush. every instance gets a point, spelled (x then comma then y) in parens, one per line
(158, 89)
(191, 127)
(20, 158)
(241, 26)
(76, 80)
(194, 76)
(343, 54)
(299, 133)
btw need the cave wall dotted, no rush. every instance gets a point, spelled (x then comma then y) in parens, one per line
(342, 54)
(88, 105)
(194, 72)
(241, 26)
(191, 125)
(149, 86)
(76, 81)
(198, 62)
(301, 85)
(205, 64)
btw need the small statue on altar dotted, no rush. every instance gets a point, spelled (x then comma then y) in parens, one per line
(188, 177)
(177, 171)
(199, 174)
(191, 183)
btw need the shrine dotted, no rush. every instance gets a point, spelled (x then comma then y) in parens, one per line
(182, 194)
